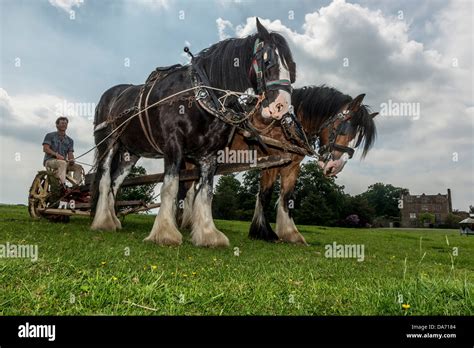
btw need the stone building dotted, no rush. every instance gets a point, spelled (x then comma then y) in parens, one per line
(413, 205)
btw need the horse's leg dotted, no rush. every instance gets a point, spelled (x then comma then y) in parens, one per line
(204, 232)
(285, 226)
(125, 164)
(187, 213)
(103, 219)
(165, 231)
(260, 228)
(185, 199)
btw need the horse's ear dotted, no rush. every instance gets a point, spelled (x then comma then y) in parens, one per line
(262, 31)
(355, 103)
(374, 114)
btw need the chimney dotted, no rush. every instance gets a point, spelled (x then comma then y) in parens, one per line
(450, 205)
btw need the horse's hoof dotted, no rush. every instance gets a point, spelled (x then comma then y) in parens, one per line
(164, 240)
(294, 238)
(210, 239)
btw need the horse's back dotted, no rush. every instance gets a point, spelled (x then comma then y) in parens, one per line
(116, 98)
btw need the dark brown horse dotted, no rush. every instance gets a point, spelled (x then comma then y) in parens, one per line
(326, 114)
(182, 129)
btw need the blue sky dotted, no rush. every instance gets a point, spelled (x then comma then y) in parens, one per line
(420, 55)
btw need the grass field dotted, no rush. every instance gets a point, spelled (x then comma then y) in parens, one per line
(80, 272)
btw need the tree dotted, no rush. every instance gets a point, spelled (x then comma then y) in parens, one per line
(318, 199)
(384, 199)
(143, 193)
(359, 205)
(452, 220)
(247, 193)
(426, 218)
(226, 201)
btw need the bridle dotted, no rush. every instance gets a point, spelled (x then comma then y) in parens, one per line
(263, 59)
(325, 151)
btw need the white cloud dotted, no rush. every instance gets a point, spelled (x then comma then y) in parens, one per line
(154, 4)
(222, 25)
(66, 5)
(36, 114)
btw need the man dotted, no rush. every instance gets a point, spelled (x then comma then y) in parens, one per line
(58, 151)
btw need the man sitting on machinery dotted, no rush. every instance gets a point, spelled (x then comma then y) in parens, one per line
(58, 151)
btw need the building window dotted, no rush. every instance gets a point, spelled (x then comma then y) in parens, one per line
(424, 207)
(412, 215)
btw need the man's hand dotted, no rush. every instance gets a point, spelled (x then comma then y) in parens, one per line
(60, 157)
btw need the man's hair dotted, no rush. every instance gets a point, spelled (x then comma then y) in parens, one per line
(62, 118)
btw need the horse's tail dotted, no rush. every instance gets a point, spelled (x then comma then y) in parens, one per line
(102, 111)
(100, 150)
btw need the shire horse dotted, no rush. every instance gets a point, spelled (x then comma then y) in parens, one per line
(332, 118)
(337, 121)
(177, 131)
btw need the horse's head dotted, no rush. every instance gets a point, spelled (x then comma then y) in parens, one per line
(344, 131)
(272, 72)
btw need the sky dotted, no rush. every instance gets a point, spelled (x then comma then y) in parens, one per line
(412, 59)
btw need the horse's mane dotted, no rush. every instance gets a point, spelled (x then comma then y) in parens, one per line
(218, 61)
(315, 104)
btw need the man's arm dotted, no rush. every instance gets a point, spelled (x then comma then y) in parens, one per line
(47, 149)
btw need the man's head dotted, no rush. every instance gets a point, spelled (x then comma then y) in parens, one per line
(61, 123)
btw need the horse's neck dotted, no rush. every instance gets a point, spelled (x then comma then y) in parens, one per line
(207, 64)
(311, 128)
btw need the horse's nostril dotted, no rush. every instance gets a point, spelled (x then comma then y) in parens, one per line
(279, 107)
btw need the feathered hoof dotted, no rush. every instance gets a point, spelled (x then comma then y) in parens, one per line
(212, 238)
(165, 240)
(293, 237)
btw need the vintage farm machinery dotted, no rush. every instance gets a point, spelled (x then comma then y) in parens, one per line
(48, 199)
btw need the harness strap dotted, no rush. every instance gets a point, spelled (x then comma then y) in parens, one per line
(146, 131)
(203, 77)
(150, 129)
(349, 150)
(263, 85)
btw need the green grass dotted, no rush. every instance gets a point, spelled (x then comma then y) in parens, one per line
(80, 272)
